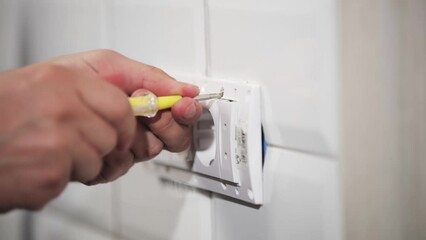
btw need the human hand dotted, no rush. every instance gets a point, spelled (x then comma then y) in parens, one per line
(68, 119)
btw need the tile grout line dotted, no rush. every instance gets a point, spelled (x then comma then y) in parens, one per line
(58, 213)
(207, 72)
(207, 53)
(116, 212)
(302, 151)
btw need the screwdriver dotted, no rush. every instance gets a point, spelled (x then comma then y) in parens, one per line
(148, 105)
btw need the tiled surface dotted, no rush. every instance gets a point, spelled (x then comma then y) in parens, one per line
(166, 33)
(302, 202)
(91, 205)
(289, 47)
(11, 224)
(53, 225)
(154, 209)
(10, 34)
(56, 27)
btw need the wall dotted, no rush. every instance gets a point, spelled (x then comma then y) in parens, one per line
(316, 113)
(9, 30)
(10, 223)
(289, 48)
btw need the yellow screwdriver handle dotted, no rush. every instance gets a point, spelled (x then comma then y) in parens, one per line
(148, 105)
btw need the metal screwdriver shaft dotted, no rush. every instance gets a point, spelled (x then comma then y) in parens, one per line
(209, 96)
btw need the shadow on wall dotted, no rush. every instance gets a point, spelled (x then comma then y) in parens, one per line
(154, 208)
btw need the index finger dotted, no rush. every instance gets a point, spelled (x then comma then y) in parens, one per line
(130, 75)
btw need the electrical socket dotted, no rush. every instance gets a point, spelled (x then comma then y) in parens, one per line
(226, 154)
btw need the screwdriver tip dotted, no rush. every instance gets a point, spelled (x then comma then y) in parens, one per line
(220, 95)
(210, 96)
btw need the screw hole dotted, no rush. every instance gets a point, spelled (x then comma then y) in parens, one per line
(211, 162)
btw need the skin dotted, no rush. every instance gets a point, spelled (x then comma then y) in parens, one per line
(68, 119)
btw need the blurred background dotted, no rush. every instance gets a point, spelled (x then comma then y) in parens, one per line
(344, 114)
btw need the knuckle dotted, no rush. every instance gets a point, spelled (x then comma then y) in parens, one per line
(121, 108)
(54, 141)
(157, 70)
(164, 124)
(175, 136)
(108, 139)
(50, 185)
(181, 145)
(87, 165)
(56, 109)
(110, 143)
(107, 53)
(51, 71)
(154, 150)
(185, 143)
(56, 101)
(96, 164)
(54, 181)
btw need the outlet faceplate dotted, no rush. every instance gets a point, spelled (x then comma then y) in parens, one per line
(226, 154)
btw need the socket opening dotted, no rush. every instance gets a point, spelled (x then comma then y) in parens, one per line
(205, 138)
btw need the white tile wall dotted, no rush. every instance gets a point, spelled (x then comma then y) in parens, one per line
(289, 47)
(93, 205)
(154, 209)
(303, 202)
(11, 224)
(10, 33)
(166, 33)
(53, 225)
(57, 27)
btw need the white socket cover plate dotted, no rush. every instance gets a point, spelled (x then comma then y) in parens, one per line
(226, 154)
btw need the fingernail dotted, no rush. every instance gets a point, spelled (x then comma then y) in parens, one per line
(190, 111)
(192, 86)
(192, 89)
